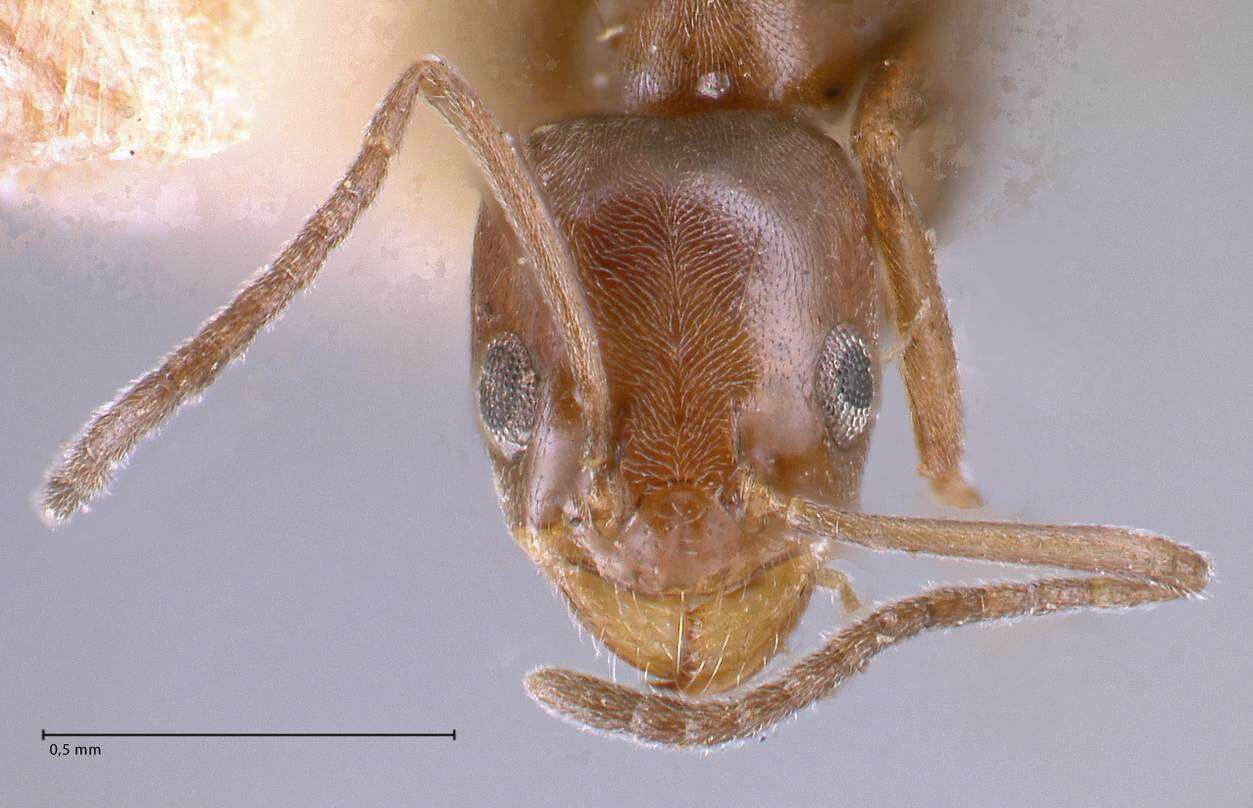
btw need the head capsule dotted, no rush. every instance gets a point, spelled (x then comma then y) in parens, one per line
(725, 262)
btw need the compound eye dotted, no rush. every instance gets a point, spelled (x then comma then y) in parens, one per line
(508, 392)
(845, 380)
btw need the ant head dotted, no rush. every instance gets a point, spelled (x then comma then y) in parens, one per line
(734, 304)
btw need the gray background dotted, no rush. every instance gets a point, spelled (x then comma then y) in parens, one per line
(317, 546)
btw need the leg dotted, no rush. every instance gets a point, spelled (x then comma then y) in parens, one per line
(113, 432)
(662, 719)
(892, 104)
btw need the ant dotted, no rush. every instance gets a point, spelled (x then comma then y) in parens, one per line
(675, 345)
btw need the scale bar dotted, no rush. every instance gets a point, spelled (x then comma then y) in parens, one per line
(44, 734)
